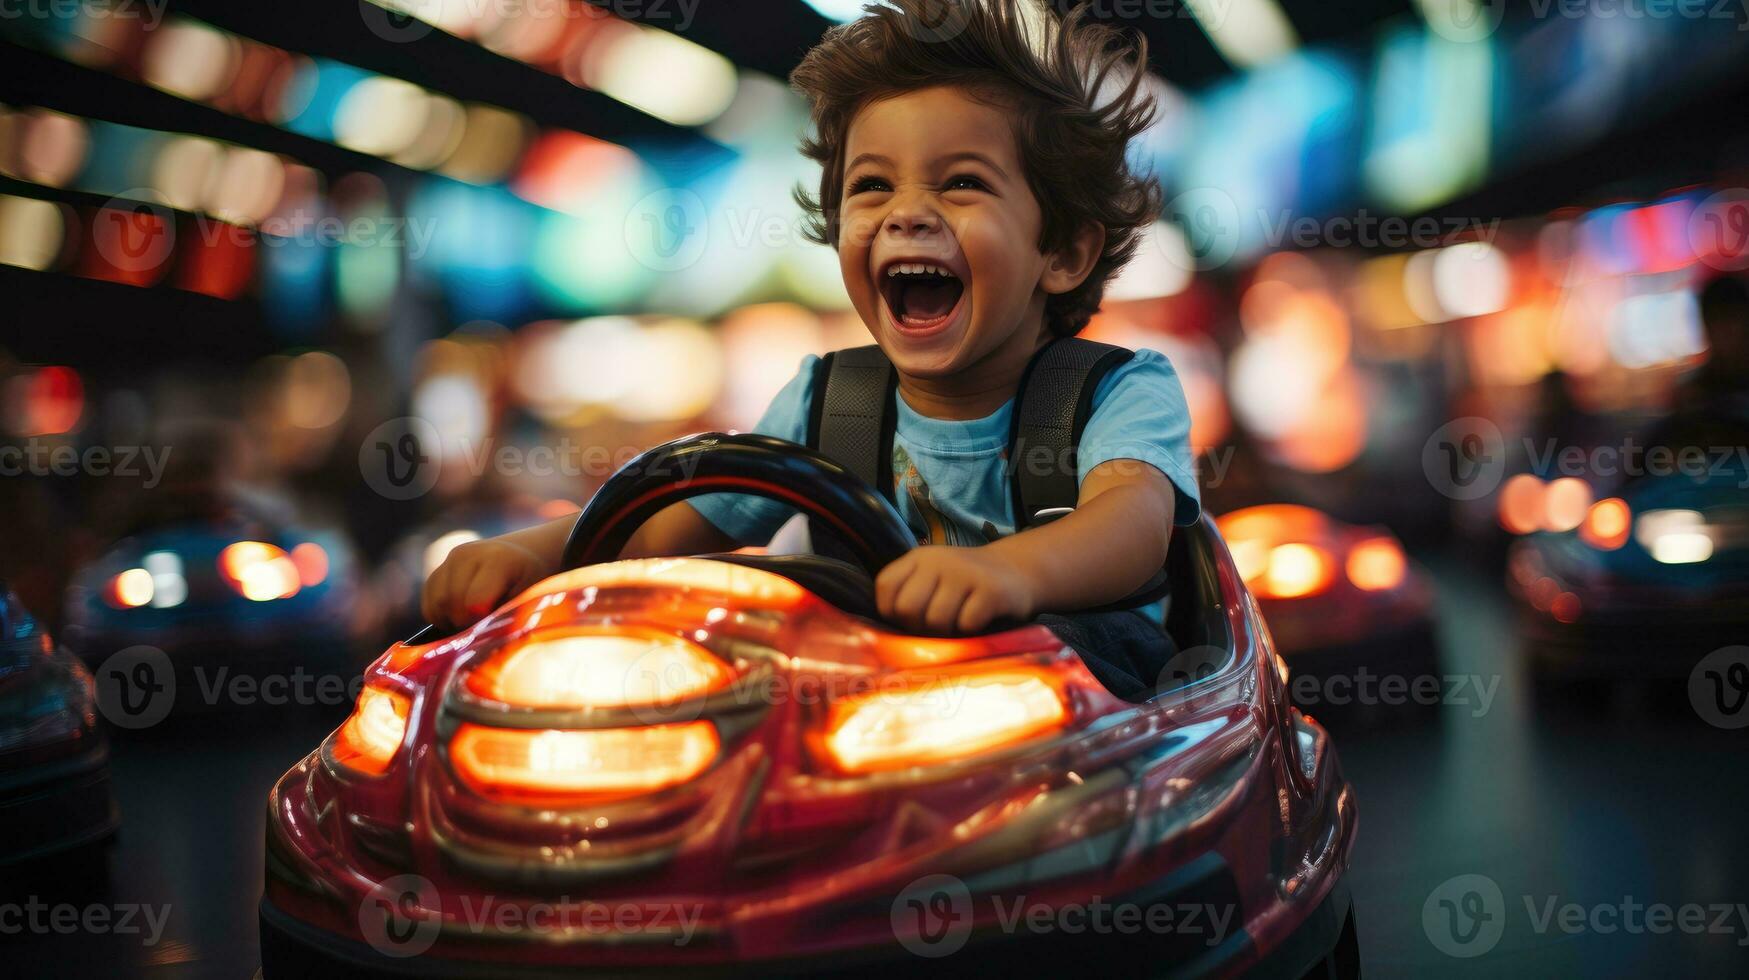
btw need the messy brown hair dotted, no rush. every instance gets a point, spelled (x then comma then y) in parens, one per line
(1076, 89)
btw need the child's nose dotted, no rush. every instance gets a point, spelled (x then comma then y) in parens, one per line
(912, 219)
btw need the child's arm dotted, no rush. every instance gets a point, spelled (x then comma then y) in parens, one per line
(475, 577)
(678, 529)
(1112, 542)
(479, 575)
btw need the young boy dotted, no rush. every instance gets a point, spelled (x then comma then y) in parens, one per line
(976, 188)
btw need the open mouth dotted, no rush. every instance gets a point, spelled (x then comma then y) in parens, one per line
(921, 295)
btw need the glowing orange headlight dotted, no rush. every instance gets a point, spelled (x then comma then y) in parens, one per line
(608, 761)
(1566, 501)
(311, 562)
(1521, 503)
(1607, 524)
(260, 571)
(585, 669)
(130, 589)
(941, 720)
(1273, 550)
(373, 734)
(1376, 564)
(1295, 570)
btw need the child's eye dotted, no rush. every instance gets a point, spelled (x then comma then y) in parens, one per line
(863, 184)
(964, 182)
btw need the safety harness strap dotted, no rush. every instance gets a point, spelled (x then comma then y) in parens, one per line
(852, 419)
(1051, 408)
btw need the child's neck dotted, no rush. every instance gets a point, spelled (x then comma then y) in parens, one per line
(976, 391)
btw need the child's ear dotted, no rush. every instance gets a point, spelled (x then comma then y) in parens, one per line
(1070, 265)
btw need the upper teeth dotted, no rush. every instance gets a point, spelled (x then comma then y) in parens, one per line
(916, 269)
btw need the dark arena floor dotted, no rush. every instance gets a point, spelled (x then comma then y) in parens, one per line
(1483, 785)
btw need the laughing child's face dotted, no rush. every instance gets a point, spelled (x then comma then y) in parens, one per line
(940, 231)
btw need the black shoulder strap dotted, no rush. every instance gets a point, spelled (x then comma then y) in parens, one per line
(851, 420)
(852, 416)
(1051, 409)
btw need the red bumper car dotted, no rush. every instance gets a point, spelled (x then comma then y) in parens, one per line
(727, 765)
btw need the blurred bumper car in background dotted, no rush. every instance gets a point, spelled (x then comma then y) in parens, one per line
(54, 761)
(224, 598)
(1338, 598)
(1646, 585)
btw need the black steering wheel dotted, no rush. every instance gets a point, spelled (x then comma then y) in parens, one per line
(714, 462)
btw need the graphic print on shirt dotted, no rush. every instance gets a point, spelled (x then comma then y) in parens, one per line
(939, 528)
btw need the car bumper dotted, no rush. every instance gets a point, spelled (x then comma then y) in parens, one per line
(56, 806)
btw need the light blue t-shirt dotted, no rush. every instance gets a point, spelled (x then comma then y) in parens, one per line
(950, 476)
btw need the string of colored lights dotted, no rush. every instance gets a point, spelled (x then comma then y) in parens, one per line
(229, 189)
(655, 71)
(326, 100)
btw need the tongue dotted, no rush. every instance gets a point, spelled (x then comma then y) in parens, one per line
(929, 299)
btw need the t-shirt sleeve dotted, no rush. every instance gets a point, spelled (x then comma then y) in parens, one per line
(1140, 413)
(753, 520)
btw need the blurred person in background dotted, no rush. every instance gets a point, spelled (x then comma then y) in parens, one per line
(1711, 409)
(1722, 383)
